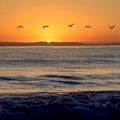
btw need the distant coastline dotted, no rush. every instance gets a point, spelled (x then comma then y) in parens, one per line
(52, 44)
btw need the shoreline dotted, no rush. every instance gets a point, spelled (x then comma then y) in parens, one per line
(103, 105)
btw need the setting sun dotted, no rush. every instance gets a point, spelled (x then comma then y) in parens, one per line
(48, 40)
(57, 14)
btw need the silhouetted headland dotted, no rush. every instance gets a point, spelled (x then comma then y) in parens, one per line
(41, 44)
(52, 44)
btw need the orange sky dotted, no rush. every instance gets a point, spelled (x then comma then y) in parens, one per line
(33, 14)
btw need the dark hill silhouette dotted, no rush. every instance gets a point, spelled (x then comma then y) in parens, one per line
(53, 44)
(41, 44)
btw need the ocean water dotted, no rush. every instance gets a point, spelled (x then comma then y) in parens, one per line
(59, 69)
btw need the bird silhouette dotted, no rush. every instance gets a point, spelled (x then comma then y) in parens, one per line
(20, 27)
(112, 27)
(88, 26)
(71, 25)
(45, 26)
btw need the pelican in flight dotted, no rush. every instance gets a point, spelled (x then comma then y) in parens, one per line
(45, 26)
(112, 27)
(20, 27)
(88, 26)
(71, 25)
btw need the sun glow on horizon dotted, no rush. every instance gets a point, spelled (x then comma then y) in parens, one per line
(48, 40)
(57, 14)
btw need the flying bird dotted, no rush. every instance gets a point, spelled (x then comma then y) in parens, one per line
(71, 25)
(112, 27)
(45, 26)
(88, 26)
(20, 27)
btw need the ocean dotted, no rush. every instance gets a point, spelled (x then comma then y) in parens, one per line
(59, 69)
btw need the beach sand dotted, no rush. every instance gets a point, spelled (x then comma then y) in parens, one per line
(59, 106)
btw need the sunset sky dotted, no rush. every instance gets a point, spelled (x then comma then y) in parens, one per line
(33, 14)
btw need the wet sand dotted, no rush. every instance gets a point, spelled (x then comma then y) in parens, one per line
(59, 106)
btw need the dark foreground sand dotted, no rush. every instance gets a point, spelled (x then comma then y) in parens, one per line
(59, 106)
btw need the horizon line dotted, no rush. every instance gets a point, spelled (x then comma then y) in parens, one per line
(43, 43)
